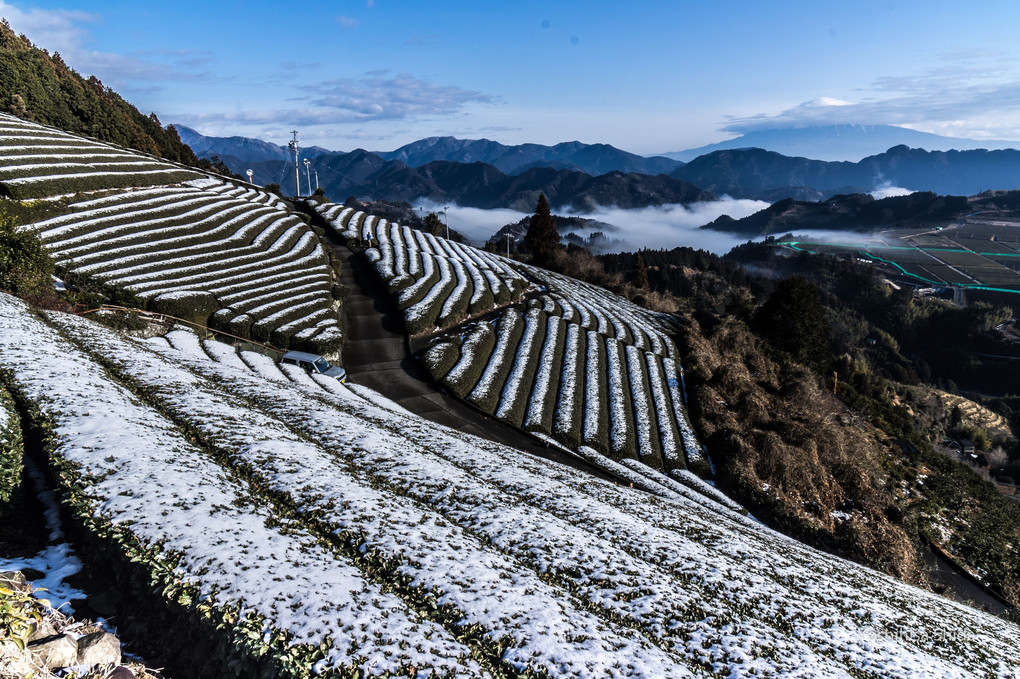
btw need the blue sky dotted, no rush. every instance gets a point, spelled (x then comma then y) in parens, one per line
(648, 77)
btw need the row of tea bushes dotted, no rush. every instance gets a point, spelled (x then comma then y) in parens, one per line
(38, 162)
(544, 374)
(195, 252)
(205, 539)
(684, 571)
(438, 283)
(202, 249)
(427, 560)
(12, 447)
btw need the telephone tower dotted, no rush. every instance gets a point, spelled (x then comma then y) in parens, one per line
(293, 145)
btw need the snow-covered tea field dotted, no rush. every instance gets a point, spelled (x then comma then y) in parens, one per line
(183, 243)
(38, 161)
(324, 531)
(571, 360)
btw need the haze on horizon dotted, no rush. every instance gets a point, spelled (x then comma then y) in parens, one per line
(649, 78)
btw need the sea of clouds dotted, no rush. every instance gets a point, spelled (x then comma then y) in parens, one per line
(663, 226)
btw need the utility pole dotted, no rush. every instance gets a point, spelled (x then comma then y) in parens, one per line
(293, 145)
(446, 216)
(508, 245)
(308, 175)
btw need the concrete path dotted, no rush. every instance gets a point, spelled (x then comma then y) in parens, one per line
(376, 354)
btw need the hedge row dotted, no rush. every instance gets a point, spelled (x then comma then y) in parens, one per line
(569, 415)
(55, 168)
(116, 209)
(462, 377)
(204, 237)
(595, 430)
(646, 428)
(127, 228)
(440, 358)
(621, 414)
(114, 510)
(424, 314)
(250, 266)
(235, 270)
(413, 294)
(486, 393)
(12, 447)
(517, 391)
(669, 434)
(59, 186)
(179, 250)
(542, 402)
(282, 234)
(452, 572)
(314, 314)
(456, 304)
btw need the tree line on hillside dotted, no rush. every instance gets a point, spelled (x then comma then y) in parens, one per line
(39, 86)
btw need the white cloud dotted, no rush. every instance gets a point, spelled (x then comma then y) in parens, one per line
(65, 31)
(379, 96)
(670, 226)
(975, 95)
(887, 190)
(664, 226)
(55, 30)
(473, 223)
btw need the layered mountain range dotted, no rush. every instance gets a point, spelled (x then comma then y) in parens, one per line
(487, 174)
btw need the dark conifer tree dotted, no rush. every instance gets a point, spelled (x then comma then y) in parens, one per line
(640, 273)
(542, 238)
(793, 320)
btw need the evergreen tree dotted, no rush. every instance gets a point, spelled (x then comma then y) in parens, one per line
(542, 238)
(433, 224)
(25, 266)
(793, 320)
(640, 273)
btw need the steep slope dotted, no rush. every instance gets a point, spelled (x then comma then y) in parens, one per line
(433, 553)
(37, 86)
(185, 244)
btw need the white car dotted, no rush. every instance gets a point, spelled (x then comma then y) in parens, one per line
(313, 363)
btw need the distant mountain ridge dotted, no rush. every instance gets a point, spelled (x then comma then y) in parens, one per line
(369, 177)
(593, 159)
(459, 173)
(766, 175)
(839, 142)
(240, 150)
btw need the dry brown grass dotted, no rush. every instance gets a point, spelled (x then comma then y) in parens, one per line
(787, 446)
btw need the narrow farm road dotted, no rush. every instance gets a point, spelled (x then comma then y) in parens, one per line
(376, 355)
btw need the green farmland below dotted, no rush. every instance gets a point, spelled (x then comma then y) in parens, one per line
(977, 254)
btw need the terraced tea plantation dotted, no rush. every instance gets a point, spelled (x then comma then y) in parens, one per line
(571, 361)
(319, 532)
(437, 282)
(39, 162)
(187, 245)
